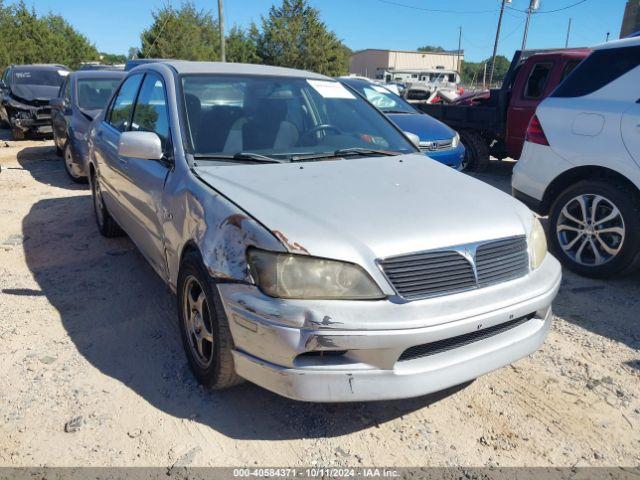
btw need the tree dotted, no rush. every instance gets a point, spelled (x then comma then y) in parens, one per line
(27, 38)
(430, 48)
(112, 58)
(183, 33)
(242, 47)
(472, 72)
(294, 36)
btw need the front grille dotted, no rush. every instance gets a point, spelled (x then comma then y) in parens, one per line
(501, 261)
(436, 145)
(427, 349)
(427, 274)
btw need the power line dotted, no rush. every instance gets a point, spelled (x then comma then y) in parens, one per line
(550, 11)
(414, 7)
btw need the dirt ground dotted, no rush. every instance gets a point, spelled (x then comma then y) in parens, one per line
(92, 370)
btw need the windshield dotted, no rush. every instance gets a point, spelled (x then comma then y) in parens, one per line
(51, 78)
(383, 99)
(94, 93)
(282, 117)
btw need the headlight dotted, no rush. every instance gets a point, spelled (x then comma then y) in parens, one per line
(285, 275)
(455, 141)
(537, 244)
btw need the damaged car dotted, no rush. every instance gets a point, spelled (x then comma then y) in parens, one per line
(25, 93)
(311, 248)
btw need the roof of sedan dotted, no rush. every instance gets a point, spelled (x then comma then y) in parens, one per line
(40, 66)
(187, 67)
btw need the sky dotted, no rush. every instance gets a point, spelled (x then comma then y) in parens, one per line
(115, 25)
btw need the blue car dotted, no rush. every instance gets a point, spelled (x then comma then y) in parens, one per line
(81, 98)
(437, 140)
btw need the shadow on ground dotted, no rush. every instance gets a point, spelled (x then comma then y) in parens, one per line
(46, 167)
(122, 319)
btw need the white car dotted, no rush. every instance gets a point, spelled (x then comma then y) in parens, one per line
(581, 163)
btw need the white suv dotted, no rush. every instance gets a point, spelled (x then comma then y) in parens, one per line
(581, 163)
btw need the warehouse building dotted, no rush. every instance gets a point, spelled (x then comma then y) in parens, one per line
(373, 63)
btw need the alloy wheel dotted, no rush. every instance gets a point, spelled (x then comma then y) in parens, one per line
(72, 167)
(590, 230)
(98, 206)
(197, 322)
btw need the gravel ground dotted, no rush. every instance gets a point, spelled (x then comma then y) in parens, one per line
(92, 371)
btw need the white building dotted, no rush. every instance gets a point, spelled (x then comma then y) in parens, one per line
(373, 63)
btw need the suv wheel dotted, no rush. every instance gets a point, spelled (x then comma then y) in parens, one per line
(595, 228)
(72, 168)
(106, 224)
(204, 328)
(476, 153)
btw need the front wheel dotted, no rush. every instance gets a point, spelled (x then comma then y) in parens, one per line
(72, 168)
(594, 228)
(18, 134)
(204, 328)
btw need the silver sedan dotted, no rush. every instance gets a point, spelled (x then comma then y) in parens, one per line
(313, 249)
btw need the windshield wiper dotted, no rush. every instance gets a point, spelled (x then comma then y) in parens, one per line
(393, 112)
(342, 152)
(240, 156)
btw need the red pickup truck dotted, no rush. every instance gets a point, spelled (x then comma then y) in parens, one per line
(495, 122)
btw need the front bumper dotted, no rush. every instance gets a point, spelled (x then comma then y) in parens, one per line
(40, 123)
(309, 351)
(452, 157)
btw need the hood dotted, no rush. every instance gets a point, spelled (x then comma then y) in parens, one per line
(30, 93)
(426, 127)
(359, 210)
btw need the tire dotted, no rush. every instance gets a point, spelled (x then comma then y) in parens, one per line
(615, 237)
(69, 167)
(211, 362)
(59, 151)
(107, 226)
(476, 155)
(18, 134)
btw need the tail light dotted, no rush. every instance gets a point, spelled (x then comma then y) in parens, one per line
(535, 133)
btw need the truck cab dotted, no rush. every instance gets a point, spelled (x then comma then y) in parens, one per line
(534, 80)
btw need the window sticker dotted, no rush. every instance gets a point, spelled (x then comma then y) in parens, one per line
(63, 73)
(329, 89)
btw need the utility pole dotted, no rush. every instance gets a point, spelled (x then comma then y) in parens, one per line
(484, 76)
(533, 6)
(223, 57)
(566, 43)
(459, 47)
(495, 45)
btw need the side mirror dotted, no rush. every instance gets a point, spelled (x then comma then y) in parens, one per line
(142, 145)
(413, 138)
(57, 103)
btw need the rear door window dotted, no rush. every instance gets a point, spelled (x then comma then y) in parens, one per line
(598, 70)
(537, 80)
(120, 114)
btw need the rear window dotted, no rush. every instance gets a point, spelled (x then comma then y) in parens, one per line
(537, 80)
(598, 70)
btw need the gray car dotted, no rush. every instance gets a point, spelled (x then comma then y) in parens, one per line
(312, 249)
(81, 98)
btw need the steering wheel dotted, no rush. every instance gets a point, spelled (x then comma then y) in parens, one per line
(320, 128)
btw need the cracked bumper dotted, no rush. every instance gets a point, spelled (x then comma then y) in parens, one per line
(306, 350)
